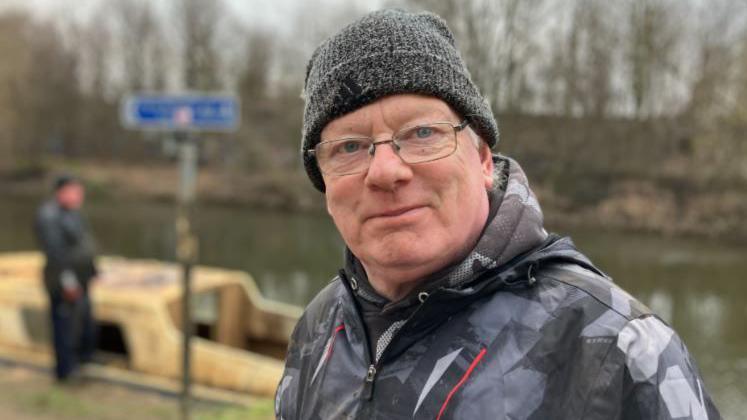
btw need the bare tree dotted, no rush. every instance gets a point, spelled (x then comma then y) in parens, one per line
(144, 47)
(15, 64)
(716, 58)
(654, 33)
(601, 42)
(718, 92)
(93, 43)
(200, 21)
(254, 82)
(48, 101)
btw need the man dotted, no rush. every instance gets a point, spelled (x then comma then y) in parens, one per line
(68, 246)
(454, 302)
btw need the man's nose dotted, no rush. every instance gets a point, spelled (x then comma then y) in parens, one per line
(387, 170)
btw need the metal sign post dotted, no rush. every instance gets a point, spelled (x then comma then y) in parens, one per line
(186, 253)
(183, 114)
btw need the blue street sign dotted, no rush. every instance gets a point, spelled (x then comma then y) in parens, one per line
(180, 112)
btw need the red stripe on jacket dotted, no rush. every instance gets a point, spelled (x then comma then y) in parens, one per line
(461, 382)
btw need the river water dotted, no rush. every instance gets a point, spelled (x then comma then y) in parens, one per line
(696, 285)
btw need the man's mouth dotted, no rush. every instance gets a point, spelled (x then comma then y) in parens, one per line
(396, 212)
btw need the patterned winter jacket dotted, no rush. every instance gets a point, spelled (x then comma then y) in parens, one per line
(544, 335)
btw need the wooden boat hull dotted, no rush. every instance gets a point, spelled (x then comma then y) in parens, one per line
(137, 303)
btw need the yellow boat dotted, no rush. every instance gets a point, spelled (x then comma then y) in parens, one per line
(240, 339)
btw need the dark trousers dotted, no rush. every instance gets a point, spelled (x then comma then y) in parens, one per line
(73, 334)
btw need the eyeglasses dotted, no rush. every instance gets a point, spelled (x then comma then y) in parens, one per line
(418, 144)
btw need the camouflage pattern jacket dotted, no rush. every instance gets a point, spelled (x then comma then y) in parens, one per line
(534, 333)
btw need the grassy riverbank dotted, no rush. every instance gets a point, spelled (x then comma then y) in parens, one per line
(104, 180)
(669, 206)
(31, 395)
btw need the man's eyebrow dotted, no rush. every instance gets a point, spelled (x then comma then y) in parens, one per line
(406, 119)
(417, 121)
(427, 119)
(349, 131)
(429, 115)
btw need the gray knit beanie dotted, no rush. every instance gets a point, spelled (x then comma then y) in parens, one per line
(384, 53)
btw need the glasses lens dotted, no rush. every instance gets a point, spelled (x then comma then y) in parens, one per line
(426, 142)
(342, 157)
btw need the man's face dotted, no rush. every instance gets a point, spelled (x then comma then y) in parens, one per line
(71, 196)
(407, 221)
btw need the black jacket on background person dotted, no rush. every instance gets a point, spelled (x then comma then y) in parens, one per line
(67, 244)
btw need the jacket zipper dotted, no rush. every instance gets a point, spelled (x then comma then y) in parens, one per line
(368, 382)
(373, 368)
(368, 385)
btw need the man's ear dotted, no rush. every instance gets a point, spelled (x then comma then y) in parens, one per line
(486, 162)
(326, 197)
(326, 204)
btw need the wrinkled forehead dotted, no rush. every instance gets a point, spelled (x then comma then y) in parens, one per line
(395, 111)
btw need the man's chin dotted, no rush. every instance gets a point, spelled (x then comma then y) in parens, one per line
(406, 257)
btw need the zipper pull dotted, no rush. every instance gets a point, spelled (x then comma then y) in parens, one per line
(368, 385)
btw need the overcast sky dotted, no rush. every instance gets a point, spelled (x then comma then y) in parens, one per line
(253, 12)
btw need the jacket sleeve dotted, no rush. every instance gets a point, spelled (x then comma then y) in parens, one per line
(287, 398)
(661, 378)
(293, 395)
(51, 238)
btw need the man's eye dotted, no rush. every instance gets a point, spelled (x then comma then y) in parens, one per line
(347, 147)
(351, 146)
(423, 132)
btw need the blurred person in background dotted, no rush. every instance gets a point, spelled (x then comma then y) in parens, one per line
(68, 246)
(454, 302)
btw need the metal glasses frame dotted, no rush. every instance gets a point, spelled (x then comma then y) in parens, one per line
(393, 140)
